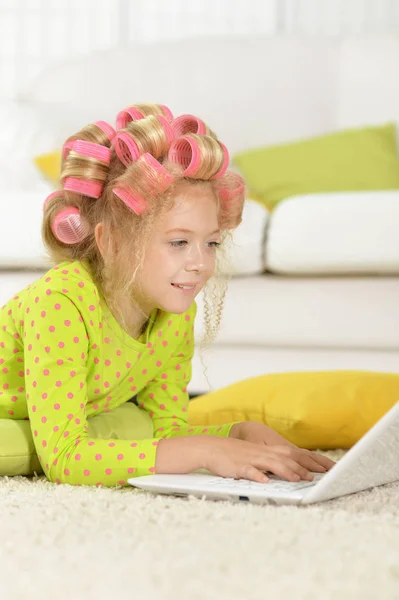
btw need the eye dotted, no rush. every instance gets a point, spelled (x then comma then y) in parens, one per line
(215, 244)
(178, 243)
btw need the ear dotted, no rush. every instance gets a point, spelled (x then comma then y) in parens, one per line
(99, 235)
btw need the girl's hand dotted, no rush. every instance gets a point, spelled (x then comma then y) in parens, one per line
(257, 433)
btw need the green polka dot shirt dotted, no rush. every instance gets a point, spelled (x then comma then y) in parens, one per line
(64, 358)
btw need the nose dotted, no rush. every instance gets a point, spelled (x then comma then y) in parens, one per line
(197, 260)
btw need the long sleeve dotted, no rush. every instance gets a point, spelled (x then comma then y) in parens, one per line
(166, 397)
(56, 364)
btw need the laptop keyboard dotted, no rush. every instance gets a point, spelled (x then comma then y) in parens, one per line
(276, 484)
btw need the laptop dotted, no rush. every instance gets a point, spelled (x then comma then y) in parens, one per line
(372, 461)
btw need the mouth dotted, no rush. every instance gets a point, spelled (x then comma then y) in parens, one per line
(184, 287)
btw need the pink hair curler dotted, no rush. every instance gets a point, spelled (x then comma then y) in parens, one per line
(158, 180)
(132, 199)
(188, 124)
(89, 149)
(184, 151)
(92, 189)
(231, 187)
(67, 226)
(126, 115)
(134, 113)
(51, 196)
(106, 128)
(231, 193)
(127, 149)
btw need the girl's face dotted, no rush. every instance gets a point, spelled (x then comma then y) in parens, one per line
(181, 253)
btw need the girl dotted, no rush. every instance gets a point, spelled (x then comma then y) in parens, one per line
(134, 233)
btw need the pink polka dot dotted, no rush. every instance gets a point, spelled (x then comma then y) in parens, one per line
(121, 482)
(51, 328)
(111, 444)
(58, 383)
(70, 395)
(152, 469)
(35, 433)
(92, 307)
(14, 398)
(10, 412)
(66, 433)
(133, 445)
(86, 472)
(70, 416)
(55, 450)
(120, 457)
(81, 284)
(60, 361)
(48, 292)
(107, 362)
(44, 419)
(98, 456)
(130, 470)
(57, 306)
(164, 376)
(142, 455)
(56, 428)
(158, 363)
(187, 317)
(61, 344)
(164, 386)
(76, 339)
(78, 457)
(108, 471)
(67, 323)
(72, 373)
(164, 343)
(155, 443)
(43, 313)
(44, 443)
(57, 406)
(175, 398)
(66, 472)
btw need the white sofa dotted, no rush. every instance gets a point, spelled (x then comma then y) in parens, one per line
(312, 304)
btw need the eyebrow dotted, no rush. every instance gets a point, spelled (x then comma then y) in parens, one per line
(189, 231)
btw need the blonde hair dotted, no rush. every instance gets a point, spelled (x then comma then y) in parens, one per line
(126, 232)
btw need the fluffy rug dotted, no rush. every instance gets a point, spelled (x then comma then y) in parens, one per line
(59, 541)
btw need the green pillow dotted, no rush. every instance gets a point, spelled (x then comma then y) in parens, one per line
(350, 160)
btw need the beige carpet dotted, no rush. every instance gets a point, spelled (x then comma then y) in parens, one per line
(63, 542)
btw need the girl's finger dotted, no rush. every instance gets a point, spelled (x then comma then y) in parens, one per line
(285, 467)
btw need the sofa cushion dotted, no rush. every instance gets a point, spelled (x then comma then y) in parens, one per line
(334, 233)
(309, 312)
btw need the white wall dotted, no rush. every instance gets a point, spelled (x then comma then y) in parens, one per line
(36, 32)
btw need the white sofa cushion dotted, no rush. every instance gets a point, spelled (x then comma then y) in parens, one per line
(246, 253)
(309, 312)
(21, 244)
(333, 233)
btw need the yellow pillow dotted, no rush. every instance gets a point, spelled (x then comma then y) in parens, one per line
(50, 166)
(321, 410)
(349, 160)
